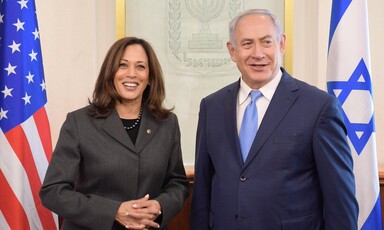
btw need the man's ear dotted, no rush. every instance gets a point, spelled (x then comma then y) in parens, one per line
(282, 44)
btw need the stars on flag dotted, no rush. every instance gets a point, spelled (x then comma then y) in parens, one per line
(19, 25)
(15, 46)
(7, 92)
(30, 77)
(43, 85)
(27, 99)
(360, 125)
(36, 34)
(23, 89)
(10, 69)
(33, 55)
(23, 4)
(3, 114)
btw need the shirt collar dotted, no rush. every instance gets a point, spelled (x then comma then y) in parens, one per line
(267, 90)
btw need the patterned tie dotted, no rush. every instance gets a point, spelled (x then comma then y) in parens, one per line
(249, 125)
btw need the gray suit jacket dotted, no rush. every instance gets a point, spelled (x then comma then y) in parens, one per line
(95, 166)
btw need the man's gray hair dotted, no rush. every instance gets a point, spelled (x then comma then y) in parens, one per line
(235, 21)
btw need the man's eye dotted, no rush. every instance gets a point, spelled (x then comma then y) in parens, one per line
(247, 44)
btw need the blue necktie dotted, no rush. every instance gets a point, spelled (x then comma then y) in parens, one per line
(249, 125)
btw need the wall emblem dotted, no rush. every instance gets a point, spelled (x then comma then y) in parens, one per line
(198, 33)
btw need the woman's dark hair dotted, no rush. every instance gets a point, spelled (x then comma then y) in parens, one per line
(105, 94)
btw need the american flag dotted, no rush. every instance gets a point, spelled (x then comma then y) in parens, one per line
(349, 78)
(25, 139)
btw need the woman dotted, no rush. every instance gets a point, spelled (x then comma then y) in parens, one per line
(118, 162)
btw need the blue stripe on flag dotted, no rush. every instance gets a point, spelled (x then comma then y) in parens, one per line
(338, 9)
(374, 219)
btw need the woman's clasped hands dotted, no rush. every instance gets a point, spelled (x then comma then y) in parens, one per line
(139, 214)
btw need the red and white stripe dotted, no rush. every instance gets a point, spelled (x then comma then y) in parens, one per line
(25, 153)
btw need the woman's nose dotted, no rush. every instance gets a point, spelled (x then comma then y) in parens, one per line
(131, 72)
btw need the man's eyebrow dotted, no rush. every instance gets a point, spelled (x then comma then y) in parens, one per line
(246, 39)
(266, 37)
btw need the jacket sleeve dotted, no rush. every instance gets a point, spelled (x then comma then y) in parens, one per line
(176, 188)
(335, 169)
(203, 177)
(58, 190)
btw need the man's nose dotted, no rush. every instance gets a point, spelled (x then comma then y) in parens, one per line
(258, 52)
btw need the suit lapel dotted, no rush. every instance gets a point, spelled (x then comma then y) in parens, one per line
(148, 128)
(282, 100)
(113, 127)
(231, 119)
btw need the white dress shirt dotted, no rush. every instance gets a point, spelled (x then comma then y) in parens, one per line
(262, 103)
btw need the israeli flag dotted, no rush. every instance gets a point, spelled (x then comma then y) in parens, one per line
(349, 79)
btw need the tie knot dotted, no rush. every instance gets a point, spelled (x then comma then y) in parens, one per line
(255, 94)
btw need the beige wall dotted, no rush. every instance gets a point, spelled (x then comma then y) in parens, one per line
(75, 36)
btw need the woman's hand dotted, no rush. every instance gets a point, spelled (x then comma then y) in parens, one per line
(139, 214)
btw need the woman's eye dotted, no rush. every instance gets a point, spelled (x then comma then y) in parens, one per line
(141, 67)
(122, 65)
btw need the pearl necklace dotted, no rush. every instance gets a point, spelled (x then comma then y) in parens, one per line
(136, 122)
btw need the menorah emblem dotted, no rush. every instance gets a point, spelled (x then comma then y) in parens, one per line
(204, 11)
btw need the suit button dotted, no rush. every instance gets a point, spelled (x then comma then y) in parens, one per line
(243, 178)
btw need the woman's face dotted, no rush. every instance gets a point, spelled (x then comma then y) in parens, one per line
(132, 76)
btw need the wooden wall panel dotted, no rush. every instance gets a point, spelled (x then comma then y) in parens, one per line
(181, 220)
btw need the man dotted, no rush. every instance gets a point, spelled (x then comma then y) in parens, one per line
(298, 171)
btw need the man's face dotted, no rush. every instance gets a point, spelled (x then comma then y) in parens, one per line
(257, 51)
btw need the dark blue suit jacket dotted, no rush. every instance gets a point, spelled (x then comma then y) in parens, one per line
(298, 174)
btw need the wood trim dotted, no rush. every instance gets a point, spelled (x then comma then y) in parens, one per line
(182, 220)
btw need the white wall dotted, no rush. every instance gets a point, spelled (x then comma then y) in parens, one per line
(75, 36)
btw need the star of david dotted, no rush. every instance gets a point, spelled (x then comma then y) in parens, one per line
(359, 80)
